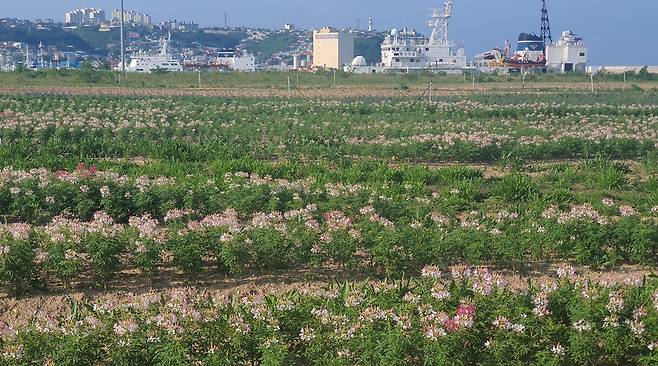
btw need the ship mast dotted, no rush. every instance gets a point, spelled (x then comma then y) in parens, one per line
(545, 33)
(439, 24)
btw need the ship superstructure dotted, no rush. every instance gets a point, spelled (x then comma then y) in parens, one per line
(148, 62)
(406, 50)
(222, 59)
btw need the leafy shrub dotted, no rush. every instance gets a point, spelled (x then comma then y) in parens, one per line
(17, 263)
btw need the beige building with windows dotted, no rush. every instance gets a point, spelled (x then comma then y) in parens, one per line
(332, 49)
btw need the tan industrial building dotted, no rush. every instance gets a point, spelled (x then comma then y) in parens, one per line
(332, 49)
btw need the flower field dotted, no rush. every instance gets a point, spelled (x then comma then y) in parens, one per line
(468, 316)
(436, 213)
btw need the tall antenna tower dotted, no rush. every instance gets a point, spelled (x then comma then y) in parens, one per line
(545, 25)
(439, 23)
(225, 19)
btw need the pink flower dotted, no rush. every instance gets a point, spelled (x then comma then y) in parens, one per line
(431, 272)
(627, 211)
(336, 220)
(466, 310)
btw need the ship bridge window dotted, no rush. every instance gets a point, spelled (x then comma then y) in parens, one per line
(397, 60)
(412, 60)
(582, 54)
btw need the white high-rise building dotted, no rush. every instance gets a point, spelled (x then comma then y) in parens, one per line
(85, 16)
(130, 16)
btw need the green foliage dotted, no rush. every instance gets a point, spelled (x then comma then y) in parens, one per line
(17, 263)
(516, 188)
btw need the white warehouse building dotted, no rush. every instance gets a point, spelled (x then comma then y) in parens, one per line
(568, 54)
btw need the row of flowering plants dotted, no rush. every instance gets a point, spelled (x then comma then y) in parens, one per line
(190, 130)
(470, 316)
(68, 250)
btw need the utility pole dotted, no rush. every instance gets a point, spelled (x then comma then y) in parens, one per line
(430, 99)
(199, 70)
(591, 75)
(123, 51)
(289, 88)
(225, 19)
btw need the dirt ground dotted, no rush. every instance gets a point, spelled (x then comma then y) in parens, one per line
(131, 284)
(313, 92)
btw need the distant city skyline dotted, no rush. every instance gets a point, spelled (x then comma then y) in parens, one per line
(618, 35)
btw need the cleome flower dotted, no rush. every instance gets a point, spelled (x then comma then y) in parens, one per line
(430, 271)
(307, 334)
(558, 350)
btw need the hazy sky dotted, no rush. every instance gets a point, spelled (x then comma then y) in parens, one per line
(619, 33)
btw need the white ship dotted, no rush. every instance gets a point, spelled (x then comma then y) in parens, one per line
(406, 50)
(149, 61)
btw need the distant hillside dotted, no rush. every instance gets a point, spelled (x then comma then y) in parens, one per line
(369, 47)
(274, 43)
(109, 41)
(224, 39)
(265, 49)
(54, 36)
(90, 40)
(273, 49)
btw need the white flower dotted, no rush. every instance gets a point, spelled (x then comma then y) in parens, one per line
(582, 326)
(566, 271)
(495, 232)
(433, 333)
(344, 353)
(307, 334)
(558, 349)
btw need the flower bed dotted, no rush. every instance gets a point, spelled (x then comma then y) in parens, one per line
(469, 316)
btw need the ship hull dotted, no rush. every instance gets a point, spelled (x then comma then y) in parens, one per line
(513, 64)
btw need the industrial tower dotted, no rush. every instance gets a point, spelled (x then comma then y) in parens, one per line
(545, 34)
